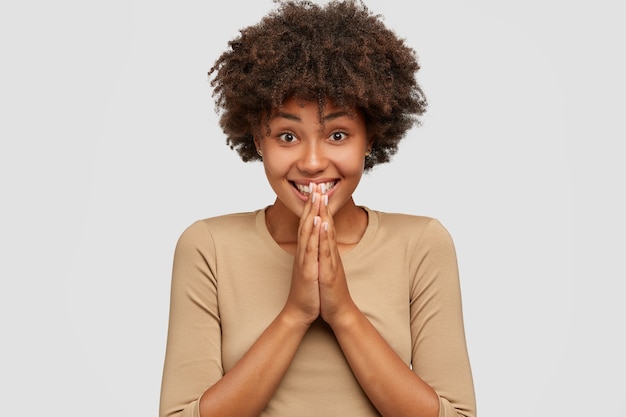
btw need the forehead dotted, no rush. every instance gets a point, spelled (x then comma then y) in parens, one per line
(326, 110)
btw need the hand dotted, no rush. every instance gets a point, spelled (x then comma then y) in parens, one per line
(335, 300)
(304, 294)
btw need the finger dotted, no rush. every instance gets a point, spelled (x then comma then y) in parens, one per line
(328, 251)
(312, 246)
(325, 249)
(309, 204)
(328, 228)
(309, 212)
(308, 235)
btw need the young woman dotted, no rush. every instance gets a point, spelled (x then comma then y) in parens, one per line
(314, 305)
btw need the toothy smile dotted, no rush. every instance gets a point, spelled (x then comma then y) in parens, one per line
(324, 187)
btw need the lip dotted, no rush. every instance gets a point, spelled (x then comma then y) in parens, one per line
(303, 197)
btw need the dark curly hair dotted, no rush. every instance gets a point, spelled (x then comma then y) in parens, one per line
(339, 52)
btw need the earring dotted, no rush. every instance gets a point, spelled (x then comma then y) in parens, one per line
(368, 153)
(259, 152)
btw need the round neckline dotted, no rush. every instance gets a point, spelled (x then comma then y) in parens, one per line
(370, 230)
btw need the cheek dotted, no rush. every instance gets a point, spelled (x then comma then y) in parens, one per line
(272, 165)
(352, 165)
(275, 174)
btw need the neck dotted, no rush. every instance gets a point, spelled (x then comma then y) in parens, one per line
(350, 224)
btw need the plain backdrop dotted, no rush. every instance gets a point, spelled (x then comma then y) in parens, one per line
(110, 147)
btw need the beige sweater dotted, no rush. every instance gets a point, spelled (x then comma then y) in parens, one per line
(230, 280)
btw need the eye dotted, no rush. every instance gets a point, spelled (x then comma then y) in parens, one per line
(338, 136)
(287, 137)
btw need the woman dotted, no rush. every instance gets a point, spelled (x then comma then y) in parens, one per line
(316, 306)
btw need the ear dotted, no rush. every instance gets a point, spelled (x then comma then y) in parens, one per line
(257, 142)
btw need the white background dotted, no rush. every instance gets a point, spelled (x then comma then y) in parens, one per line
(110, 147)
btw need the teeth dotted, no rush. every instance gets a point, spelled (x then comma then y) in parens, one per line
(325, 187)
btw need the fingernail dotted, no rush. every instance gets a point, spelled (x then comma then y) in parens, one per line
(313, 199)
(325, 226)
(316, 220)
(325, 199)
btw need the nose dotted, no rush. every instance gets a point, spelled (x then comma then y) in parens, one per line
(312, 159)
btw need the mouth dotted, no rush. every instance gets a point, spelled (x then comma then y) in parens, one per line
(305, 190)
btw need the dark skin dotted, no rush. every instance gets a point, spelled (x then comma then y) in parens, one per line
(317, 225)
(339, 50)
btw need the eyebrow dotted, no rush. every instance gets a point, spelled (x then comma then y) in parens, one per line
(335, 115)
(326, 118)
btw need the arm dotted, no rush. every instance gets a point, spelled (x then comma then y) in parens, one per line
(193, 351)
(394, 388)
(439, 353)
(193, 381)
(390, 385)
(247, 388)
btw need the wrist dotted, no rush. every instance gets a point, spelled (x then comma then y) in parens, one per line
(294, 320)
(344, 319)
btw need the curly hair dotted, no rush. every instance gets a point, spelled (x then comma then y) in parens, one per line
(340, 52)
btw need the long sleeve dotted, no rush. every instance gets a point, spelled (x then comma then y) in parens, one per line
(193, 353)
(402, 275)
(439, 353)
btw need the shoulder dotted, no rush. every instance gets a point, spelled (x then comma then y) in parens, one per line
(412, 233)
(410, 224)
(402, 220)
(227, 225)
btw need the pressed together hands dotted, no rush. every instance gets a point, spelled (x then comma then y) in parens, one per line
(318, 283)
(319, 289)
